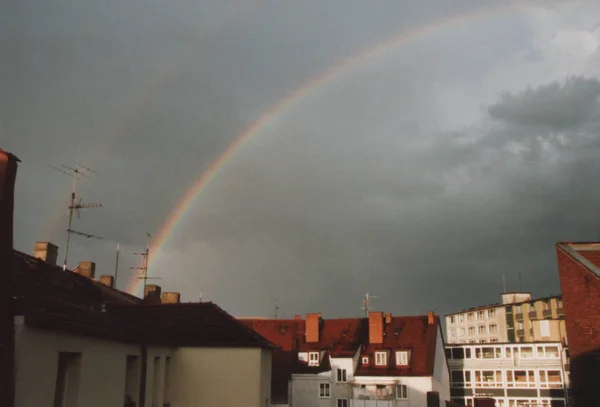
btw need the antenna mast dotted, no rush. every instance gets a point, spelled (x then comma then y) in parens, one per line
(366, 303)
(117, 265)
(144, 268)
(76, 203)
(277, 308)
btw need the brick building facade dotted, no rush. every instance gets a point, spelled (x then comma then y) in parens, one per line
(579, 272)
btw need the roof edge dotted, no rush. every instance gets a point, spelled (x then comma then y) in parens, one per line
(575, 255)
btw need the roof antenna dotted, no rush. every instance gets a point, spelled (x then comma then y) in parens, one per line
(76, 203)
(144, 268)
(117, 265)
(367, 303)
(520, 282)
(277, 308)
(504, 283)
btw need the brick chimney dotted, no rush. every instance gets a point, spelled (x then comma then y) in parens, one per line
(108, 281)
(86, 269)
(8, 174)
(430, 318)
(375, 327)
(388, 317)
(170, 298)
(313, 322)
(46, 252)
(297, 316)
(152, 294)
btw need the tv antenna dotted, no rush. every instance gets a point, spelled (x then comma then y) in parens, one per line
(144, 267)
(367, 303)
(76, 202)
(277, 308)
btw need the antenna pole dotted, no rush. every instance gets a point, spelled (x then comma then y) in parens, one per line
(71, 206)
(117, 265)
(144, 268)
(520, 282)
(504, 283)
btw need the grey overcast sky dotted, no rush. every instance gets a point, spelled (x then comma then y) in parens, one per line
(421, 174)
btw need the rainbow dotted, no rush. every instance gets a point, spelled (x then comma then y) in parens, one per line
(185, 204)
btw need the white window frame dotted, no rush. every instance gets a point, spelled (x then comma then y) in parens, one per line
(451, 319)
(491, 313)
(470, 316)
(342, 375)
(365, 360)
(471, 330)
(402, 357)
(324, 390)
(313, 358)
(545, 354)
(481, 315)
(401, 392)
(381, 358)
(481, 329)
(493, 328)
(546, 384)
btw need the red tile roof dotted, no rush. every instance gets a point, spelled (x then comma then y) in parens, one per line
(51, 298)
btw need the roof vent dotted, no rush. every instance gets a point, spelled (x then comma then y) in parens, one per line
(86, 269)
(107, 280)
(170, 298)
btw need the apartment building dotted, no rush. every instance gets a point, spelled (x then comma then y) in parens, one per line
(517, 319)
(381, 360)
(579, 272)
(515, 375)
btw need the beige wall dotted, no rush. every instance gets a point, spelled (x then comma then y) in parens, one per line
(101, 374)
(224, 377)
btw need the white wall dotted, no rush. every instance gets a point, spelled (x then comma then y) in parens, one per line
(441, 374)
(342, 390)
(224, 377)
(305, 390)
(101, 374)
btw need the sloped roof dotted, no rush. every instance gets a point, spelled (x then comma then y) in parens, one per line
(404, 333)
(51, 298)
(586, 253)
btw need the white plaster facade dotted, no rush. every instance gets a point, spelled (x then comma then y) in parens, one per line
(97, 375)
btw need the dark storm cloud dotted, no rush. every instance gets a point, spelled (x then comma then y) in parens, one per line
(555, 105)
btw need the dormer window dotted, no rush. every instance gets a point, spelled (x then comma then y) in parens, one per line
(402, 357)
(313, 358)
(381, 358)
(365, 360)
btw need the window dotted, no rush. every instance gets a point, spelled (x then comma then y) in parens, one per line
(303, 356)
(401, 392)
(493, 328)
(341, 375)
(488, 378)
(313, 358)
(471, 330)
(381, 358)
(461, 318)
(365, 360)
(520, 326)
(460, 378)
(470, 316)
(324, 390)
(481, 329)
(461, 331)
(550, 379)
(132, 378)
(493, 340)
(458, 353)
(452, 331)
(492, 312)
(402, 358)
(547, 352)
(168, 372)
(518, 309)
(155, 385)
(508, 353)
(559, 303)
(488, 352)
(480, 315)
(342, 402)
(452, 320)
(520, 378)
(526, 352)
(546, 305)
(67, 379)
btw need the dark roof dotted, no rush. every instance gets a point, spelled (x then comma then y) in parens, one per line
(414, 334)
(344, 337)
(51, 298)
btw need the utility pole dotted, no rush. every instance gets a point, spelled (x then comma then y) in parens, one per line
(76, 203)
(144, 268)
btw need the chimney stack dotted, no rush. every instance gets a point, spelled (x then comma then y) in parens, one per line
(375, 327)
(152, 294)
(313, 322)
(46, 252)
(170, 298)
(8, 174)
(388, 317)
(297, 316)
(86, 269)
(430, 318)
(108, 281)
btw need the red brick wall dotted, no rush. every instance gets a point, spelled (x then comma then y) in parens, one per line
(581, 302)
(375, 327)
(312, 328)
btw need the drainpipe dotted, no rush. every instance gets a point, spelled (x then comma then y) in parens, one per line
(143, 367)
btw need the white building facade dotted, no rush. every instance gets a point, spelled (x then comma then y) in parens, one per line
(515, 375)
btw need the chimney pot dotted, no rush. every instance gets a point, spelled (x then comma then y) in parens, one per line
(430, 318)
(152, 293)
(170, 298)
(375, 327)
(388, 317)
(297, 316)
(108, 281)
(46, 252)
(313, 322)
(86, 269)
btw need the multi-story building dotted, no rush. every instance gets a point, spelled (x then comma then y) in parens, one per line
(379, 361)
(579, 272)
(515, 375)
(517, 319)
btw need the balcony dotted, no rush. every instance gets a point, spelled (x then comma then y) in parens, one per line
(520, 332)
(547, 313)
(532, 314)
(519, 316)
(560, 312)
